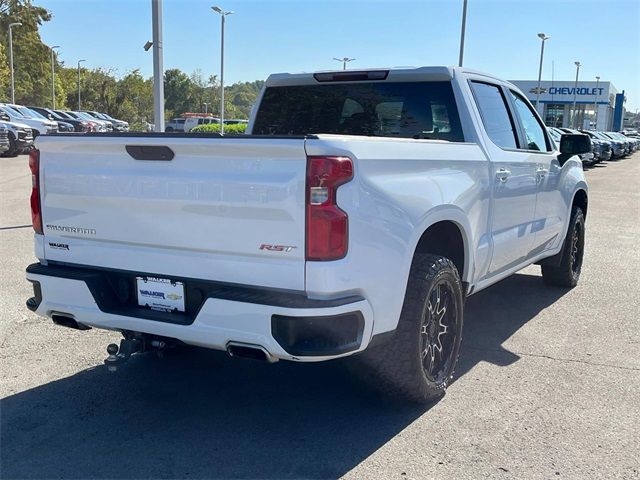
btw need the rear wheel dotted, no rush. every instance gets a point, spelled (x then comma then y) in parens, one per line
(568, 272)
(417, 364)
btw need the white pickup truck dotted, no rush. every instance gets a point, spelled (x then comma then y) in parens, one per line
(353, 219)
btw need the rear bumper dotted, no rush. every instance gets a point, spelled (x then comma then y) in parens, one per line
(287, 324)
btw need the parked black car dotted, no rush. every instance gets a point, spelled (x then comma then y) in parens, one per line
(78, 125)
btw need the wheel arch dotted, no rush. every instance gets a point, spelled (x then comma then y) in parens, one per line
(581, 199)
(446, 234)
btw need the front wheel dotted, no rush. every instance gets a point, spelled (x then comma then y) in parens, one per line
(13, 149)
(567, 273)
(417, 364)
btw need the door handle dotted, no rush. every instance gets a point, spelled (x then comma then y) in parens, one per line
(503, 174)
(542, 172)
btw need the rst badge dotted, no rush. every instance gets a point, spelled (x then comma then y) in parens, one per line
(277, 248)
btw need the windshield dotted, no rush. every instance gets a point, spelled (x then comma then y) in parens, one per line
(12, 111)
(425, 110)
(83, 115)
(54, 115)
(63, 115)
(35, 114)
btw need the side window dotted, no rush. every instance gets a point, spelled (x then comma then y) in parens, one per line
(533, 131)
(495, 115)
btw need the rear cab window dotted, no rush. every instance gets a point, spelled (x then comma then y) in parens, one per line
(418, 110)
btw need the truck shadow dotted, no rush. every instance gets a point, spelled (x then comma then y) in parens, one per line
(202, 414)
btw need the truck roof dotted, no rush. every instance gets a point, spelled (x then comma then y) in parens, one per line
(397, 74)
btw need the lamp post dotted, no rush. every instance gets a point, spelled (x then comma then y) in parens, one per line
(575, 91)
(344, 61)
(205, 107)
(462, 32)
(158, 65)
(223, 16)
(13, 86)
(595, 105)
(544, 38)
(53, 77)
(79, 62)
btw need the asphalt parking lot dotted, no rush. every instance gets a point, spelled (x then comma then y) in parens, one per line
(548, 385)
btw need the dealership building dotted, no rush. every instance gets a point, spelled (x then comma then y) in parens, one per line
(594, 100)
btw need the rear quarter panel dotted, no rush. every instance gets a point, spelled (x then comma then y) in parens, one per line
(400, 188)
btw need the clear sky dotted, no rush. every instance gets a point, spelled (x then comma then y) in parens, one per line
(263, 37)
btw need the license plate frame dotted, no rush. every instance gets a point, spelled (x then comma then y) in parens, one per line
(162, 294)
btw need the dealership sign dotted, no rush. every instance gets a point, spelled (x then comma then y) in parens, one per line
(564, 92)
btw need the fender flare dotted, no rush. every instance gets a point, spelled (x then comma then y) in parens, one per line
(444, 213)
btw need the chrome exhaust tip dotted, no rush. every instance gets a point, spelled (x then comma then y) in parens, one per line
(248, 350)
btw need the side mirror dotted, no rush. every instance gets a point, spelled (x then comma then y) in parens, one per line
(573, 144)
(4, 116)
(50, 117)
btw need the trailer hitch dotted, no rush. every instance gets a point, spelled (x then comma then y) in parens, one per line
(130, 345)
(119, 355)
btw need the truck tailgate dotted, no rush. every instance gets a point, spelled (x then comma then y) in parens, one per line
(204, 214)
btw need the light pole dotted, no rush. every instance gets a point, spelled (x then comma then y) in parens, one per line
(595, 105)
(53, 77)
(462, 32)
(575, 92)
(205, 107)
(223, 16)
(344, 61)
(13, 86)
(542, 37)
(79, 62)
(158, 66)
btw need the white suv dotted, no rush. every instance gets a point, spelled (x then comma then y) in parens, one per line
(20, 114)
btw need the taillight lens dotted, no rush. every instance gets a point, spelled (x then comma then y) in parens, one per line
(327, 224)
(36, 213)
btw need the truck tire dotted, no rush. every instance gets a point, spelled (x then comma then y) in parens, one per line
(567, 273)
(418, 362)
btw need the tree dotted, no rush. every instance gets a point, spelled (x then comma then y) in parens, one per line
(178, 92)
(31, 57)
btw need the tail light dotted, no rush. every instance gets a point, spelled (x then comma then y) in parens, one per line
(36, 212)
(327, 224)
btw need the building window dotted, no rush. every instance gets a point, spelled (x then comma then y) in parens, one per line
(554, 115)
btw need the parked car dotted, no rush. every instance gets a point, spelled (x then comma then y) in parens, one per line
(102, 125)
(78, 125)
(620, 146)
(118, 125)
(175, 125)
(606, 150)
(308, 239)
(631, 143)
(188, 123)
(20, 114)
(20, 136)
(63, 126)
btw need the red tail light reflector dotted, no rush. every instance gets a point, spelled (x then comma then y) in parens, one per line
(327, 225)
(36, 213)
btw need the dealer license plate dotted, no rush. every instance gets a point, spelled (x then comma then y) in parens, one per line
(160, 294)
